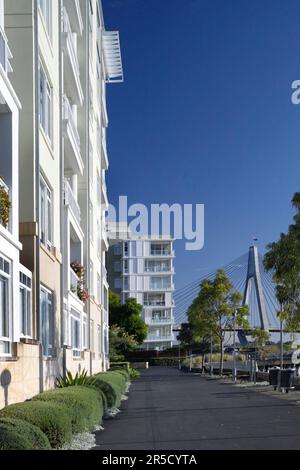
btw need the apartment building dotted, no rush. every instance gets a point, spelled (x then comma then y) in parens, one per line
(60, 75)
(142, 268)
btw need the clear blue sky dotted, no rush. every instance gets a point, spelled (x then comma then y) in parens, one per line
(205, 116)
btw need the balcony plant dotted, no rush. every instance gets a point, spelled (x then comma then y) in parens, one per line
(81, 289)
(5, 204)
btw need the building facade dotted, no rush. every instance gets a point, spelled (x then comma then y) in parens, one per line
(56, 224)
(143, 268)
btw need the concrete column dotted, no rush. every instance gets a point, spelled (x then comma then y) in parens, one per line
(75, 186)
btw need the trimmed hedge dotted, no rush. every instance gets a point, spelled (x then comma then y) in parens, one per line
(16, 434)
(52, 419)
(122, 371)
(85, 405)
(112, 384)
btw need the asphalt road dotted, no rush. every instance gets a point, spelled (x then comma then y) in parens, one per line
(170, 410)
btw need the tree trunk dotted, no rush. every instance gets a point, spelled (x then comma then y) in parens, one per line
(203, 355)
(221, 358)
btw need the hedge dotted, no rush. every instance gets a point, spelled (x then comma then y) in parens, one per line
(51, 418)
(164, 361)
(112, 384)
(85, 405)
(122, 371)
(16, 434)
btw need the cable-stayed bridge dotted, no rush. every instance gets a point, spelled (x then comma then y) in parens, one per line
(248, 276)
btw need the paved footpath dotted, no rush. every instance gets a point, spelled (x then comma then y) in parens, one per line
(170, 410)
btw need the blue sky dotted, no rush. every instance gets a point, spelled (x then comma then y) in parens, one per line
(205, 116)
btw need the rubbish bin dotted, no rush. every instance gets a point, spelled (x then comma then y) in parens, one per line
(286, 379)
(273, 376)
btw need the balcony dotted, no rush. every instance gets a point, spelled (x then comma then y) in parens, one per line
(103, 149)
(71, 201)
(74, 282)
(73, 160)
(159, 269)
(75, 16)
(104, 192)
(164, 251)
(5, 53)
(103, 105)
(169, 337)
(154, 303)
(71, 65)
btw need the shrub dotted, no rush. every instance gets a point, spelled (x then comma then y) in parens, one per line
(16, 434)
(51, 418)
(112, 384)
(85, 405)
(120, 365)
(134, 374)
(122, 371)
(69, 381)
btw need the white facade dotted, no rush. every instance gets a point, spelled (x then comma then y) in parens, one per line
(54, 307)
(143, 269)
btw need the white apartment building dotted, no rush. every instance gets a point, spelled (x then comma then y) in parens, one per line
(60, 74)
(142, 268)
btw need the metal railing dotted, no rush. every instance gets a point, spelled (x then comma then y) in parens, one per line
(70, 201)
(160, 337)
(154, 303)
(161, 252)
(158, 269)
(5, 53)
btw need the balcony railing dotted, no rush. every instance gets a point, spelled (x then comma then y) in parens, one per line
(161, 252)
(69, 117)
(74, 282)
(169, 337)
(158, 269)
(154, 303)
(70, 38)
(70, 201)
(5, 53)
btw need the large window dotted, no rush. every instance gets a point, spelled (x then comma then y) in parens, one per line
(118, 249)
(47, 322)
(5, 306)
(75, 333)
(45, 7)
(45, 214)
(45, 110)
(160, 282)
(84, 333)
(25, 306)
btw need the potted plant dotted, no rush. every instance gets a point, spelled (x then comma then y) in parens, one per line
(5, 204)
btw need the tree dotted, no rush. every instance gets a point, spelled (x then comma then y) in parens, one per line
(260, 339)
(215, 310)
(188, 342)
(128, 317)
(120, 343)
(283, 258)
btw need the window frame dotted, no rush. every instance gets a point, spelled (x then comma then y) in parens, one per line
(76, 333)
(26, 318)
(6, 340)
(50, 319)
(45, 105)
(46, 203)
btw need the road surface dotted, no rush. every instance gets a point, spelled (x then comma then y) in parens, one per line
(171, 410)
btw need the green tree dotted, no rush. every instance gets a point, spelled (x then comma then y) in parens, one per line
(215, 310)
(283, 258)
(260, 338)
(128, 317)
(120, 343)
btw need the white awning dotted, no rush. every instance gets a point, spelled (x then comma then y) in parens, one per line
(112, 57)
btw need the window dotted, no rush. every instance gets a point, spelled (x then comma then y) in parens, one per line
(117, 249)
(126, 283)
(91, 223)
(105, 299)
(45, 214)
(160, 283)
(92, 335)
(126, 248)
(99, 338)
(25, 306)
(84, 333)
(45, 7)
(5, 306)
(45, 110)
(91, 165)
(91, 278)
(99, 287)
(160, 249)
(126, 266)
(47, 322)
(75, 333)
(118, 283)
(117, 266)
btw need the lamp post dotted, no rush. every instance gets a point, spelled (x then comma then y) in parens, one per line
(234, 356)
